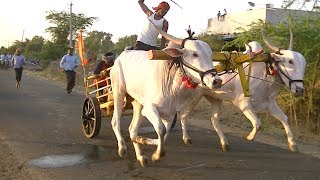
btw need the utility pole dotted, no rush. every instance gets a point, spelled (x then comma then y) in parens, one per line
(70, 26)
(22, 35)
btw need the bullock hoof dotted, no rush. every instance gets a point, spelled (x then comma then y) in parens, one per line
(122, 153)
(187, 142)
(293, 148)
(225, 148)
(246, 138)
(144, 161)
(156, 156)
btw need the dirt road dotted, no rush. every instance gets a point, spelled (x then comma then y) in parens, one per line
(41, 138)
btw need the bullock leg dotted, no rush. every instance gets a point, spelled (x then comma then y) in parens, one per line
(152, 114)
(133, 129)
(192, 102)
(276, 112)
(115, 122)
(247, 110)
(167, 125)
(216, 105)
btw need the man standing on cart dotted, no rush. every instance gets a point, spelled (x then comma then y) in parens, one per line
(147, 39)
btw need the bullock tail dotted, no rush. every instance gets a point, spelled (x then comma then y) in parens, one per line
(174, 122)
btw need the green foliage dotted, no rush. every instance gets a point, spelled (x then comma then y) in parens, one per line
(60, 25)
(50, 51)
(33, 49)
(215, 42)
(125, 41)
(301, 4)
(98, 42)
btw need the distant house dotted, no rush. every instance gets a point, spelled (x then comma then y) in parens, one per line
(269, 14)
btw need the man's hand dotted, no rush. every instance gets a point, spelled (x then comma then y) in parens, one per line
(141, 1)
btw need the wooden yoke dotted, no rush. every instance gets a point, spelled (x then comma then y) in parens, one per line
(229, 61)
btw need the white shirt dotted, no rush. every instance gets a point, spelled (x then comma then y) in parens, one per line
(149, 34)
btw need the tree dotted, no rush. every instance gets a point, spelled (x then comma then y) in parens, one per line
(60, 25)
(50, 51)
(125, 41)
(33, 49)
(215, 42)
(302, 4)
(98, 42)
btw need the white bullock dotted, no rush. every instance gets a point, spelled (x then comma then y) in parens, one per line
(287, 68)
(158, 88)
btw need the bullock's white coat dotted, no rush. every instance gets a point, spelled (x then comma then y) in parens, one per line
(158, 91)
(263, 93)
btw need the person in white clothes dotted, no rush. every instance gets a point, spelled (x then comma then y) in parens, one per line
(147, 39)
(69, 63)
(18, 60)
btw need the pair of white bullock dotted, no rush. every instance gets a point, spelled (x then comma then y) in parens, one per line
(160, 91)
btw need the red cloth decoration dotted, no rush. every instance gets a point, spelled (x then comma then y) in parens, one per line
(188, 82)
(275, 72)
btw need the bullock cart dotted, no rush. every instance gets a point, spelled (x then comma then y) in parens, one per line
(98, 103)
(99, 100)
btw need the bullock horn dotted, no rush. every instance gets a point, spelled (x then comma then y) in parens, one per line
(291, 40)
(167, 36)
(265, 39)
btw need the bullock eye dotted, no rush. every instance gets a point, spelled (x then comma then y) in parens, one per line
(290, 61)
(195, 55)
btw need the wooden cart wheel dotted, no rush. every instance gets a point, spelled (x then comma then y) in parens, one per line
(91, 117)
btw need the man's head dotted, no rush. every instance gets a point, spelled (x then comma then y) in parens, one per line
(162, 8)
(70, 51)
(18, 51)
(108, 57)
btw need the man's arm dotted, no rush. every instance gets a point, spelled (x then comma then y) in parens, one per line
(144, 8)
(165, 29)
(24, 60)
(62, 62)
(98, 68)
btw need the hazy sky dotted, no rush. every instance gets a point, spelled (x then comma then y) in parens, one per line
(26, 18)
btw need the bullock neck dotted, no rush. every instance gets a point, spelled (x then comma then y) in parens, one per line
(173, 77)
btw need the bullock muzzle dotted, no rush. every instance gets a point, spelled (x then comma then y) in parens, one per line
(298, 91)
(217, 83)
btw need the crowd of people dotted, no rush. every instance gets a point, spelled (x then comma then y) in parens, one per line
(5, 60)
(15, 61)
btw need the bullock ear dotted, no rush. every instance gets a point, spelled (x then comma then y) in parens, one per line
(276, 57)
(173, 52)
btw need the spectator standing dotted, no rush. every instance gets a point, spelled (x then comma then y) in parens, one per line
(69, 63)
(18, 60)
(218, 15)
(223, 15)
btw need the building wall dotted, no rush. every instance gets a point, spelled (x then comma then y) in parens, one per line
(232, 22)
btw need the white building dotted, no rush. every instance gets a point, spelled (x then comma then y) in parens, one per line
(231, 22)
